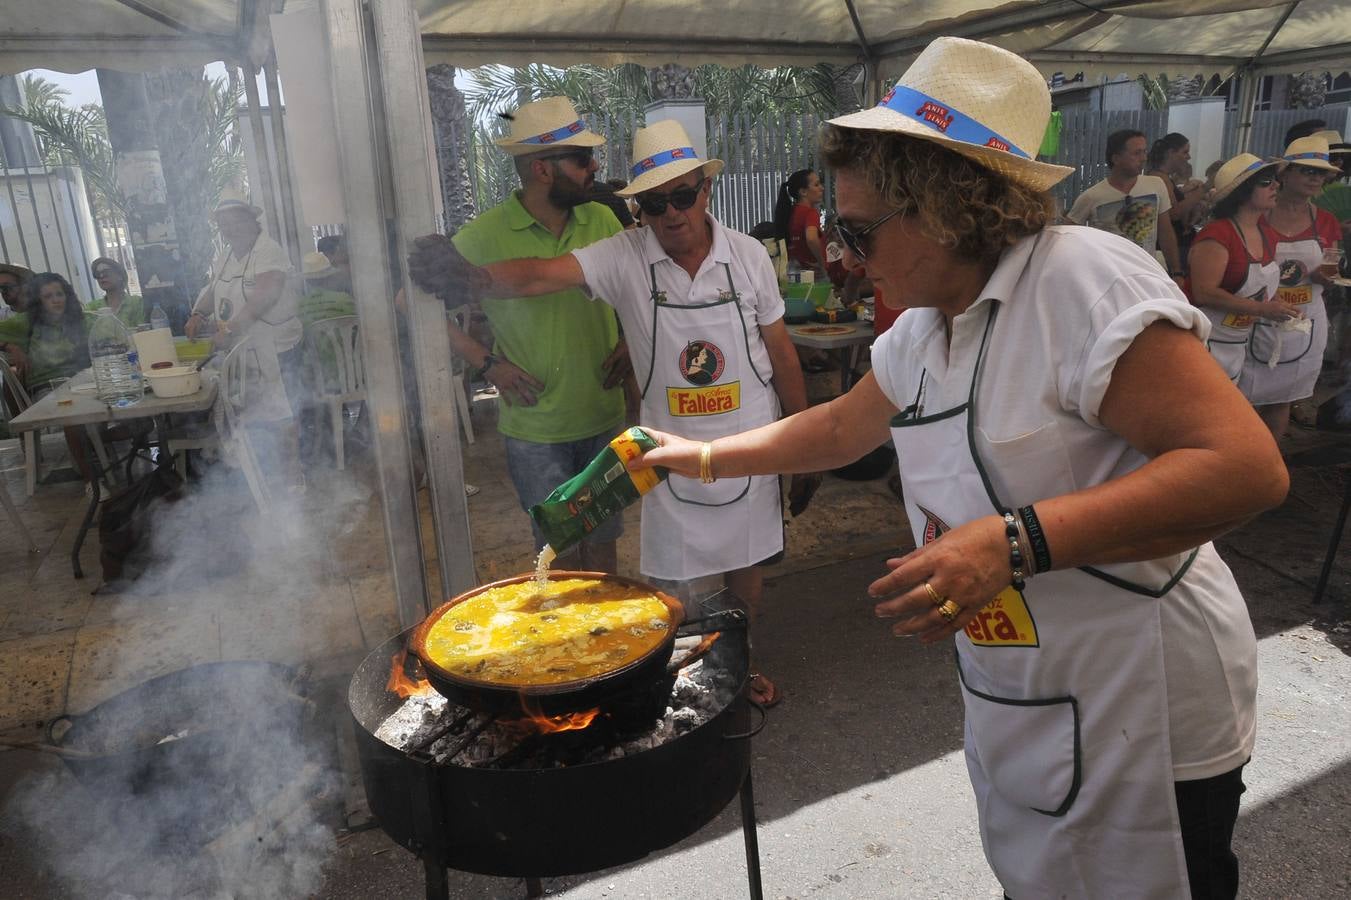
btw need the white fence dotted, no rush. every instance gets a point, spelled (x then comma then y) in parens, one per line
(1269, 127)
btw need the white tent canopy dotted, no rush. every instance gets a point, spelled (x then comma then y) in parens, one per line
(1175, 37)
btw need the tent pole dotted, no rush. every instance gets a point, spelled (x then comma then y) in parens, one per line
(288, 203)
(260, 153)
(354, 113)
(416, 185)
(1248, 82)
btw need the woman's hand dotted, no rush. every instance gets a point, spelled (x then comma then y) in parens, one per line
(1278, 311)
(193, 323)
(675, 453)
(968, 565)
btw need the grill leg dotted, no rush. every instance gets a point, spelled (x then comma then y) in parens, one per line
(752, 839)
(1336, 540)
(534, 888)
(438, 887)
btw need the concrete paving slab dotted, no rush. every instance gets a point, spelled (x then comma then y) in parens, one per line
(109, 658)
(34, 677)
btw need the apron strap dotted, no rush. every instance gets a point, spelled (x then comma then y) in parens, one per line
(745, 332)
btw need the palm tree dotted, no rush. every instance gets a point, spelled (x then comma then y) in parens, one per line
(76, 137)
(38, 91)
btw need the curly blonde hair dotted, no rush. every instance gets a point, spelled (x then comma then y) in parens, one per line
(958, 203)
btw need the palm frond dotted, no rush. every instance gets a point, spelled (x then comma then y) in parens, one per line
(76, 137)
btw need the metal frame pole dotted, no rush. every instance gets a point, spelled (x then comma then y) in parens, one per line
(354, 113)
(260, 153)
(1249, 81)
(416, 185)
(288, 203)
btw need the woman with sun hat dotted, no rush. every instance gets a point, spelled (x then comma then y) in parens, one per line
(1068, 450)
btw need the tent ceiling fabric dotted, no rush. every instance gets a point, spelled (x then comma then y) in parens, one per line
(130, 35)
(1174, 37)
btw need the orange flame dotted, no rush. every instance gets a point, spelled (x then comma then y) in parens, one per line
(537, 721)
(399, 682)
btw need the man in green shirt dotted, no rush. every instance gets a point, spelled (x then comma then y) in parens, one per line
(559, 366)
(13, 318)
(112, 277)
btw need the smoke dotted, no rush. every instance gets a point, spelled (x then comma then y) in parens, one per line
(219, 779)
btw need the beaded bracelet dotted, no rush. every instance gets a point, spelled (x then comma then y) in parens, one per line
(1036, 538)
(1016, 561)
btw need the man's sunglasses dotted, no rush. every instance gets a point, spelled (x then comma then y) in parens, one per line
(856, 241)
(582, 156)
(1310, 171)
(681, 198)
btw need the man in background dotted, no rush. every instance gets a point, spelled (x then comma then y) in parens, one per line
(1130, 203)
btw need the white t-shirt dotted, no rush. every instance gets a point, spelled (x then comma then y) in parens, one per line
(619, 270)
(1072, 302)
(1134, 216)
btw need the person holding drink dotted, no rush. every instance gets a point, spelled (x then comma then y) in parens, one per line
(1286, 357)
(1068, 451)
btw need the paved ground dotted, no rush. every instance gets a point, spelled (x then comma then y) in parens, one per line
(860, 784)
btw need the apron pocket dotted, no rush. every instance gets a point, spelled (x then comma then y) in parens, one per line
(1026, 468)
(1230, 356)
(1029, 749)
(723, 492)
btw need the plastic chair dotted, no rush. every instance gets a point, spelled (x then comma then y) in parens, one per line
(460, 316)
(337, 371)
(8, 504)
(32, 439)
(227, 434)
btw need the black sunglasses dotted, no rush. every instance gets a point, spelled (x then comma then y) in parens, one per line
(853, 240)
(682, 198)
(582, 156)
(1264, 181)
(1310, 171)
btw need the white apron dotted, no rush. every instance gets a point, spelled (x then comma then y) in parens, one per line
(702, 384)
(267, 400)
(1067, 739)
(1283, 365)
(1230, 331)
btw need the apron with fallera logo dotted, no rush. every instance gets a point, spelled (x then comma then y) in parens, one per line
(1067, 733)
(702, 384)
(1230, 331)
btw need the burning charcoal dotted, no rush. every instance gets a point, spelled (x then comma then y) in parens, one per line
(687, 719)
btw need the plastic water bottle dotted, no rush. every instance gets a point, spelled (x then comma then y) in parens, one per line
(157, 317)
(117, 370)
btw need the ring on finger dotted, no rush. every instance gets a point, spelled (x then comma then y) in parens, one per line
(934, 597)
(948, 610)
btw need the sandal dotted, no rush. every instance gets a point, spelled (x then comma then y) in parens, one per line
(764, 691)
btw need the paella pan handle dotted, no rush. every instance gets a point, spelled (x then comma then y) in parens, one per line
(52, 736)
(759, 726)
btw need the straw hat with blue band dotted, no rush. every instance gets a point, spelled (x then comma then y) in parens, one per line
(663, 151)
(544, 124)
(981, 101)
(1310, 151)
(233, 198)
(1238, 170)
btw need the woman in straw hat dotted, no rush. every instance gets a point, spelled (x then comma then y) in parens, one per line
(1068, 449)
(1233, 260)
(684, 285)
(1285, 357)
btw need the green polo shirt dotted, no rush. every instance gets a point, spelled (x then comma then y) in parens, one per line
(562, 338)
(131, 312)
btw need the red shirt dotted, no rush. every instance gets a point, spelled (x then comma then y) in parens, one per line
(1323, 226)
(1225, 233)
(804, 217)
(883, 316)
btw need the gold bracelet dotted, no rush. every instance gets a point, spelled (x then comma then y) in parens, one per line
(706, 463)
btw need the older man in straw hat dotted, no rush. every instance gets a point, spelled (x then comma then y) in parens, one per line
(1068, 449)
(559, 366)
(704, 319)
(248, 295)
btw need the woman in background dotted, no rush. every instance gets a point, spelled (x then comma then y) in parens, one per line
(1170, 159)
(797, 220)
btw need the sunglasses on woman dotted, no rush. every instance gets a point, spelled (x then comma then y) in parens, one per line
(682, 198)
(857, 241)
(1309, 171)
(1264, 181)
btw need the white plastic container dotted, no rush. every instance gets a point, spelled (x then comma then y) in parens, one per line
(179, 381)
(156, 346)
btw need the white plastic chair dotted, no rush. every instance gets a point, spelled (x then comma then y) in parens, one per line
(32, 439)
(8, 504)
(460, 316)
(337, 371)
(228, 435)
